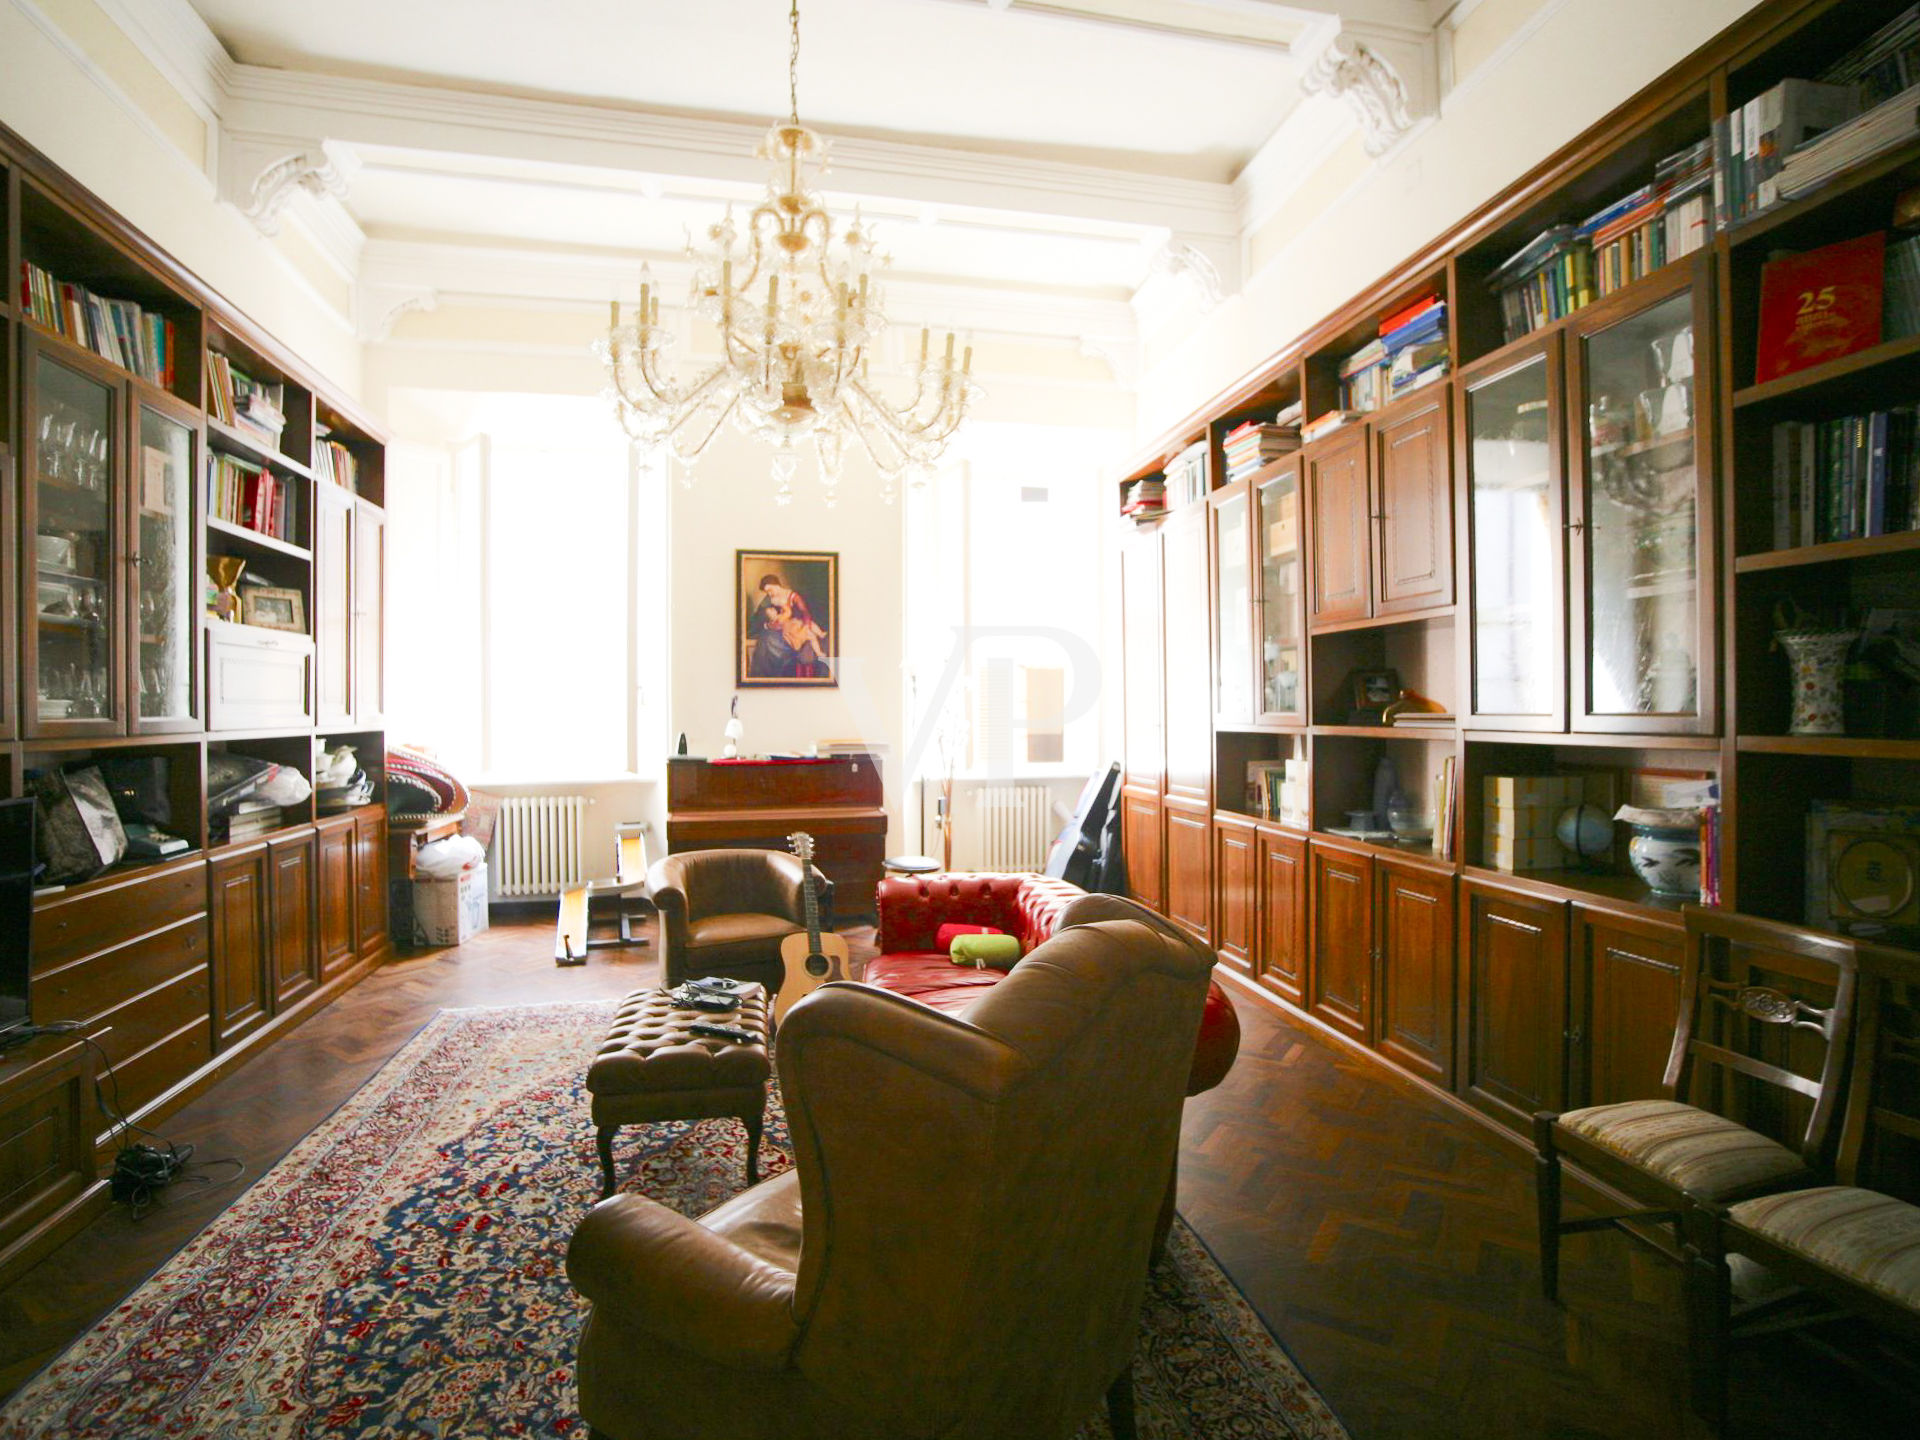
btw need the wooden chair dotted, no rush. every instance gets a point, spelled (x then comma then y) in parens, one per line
(1742, 1048)
(1856, 1243)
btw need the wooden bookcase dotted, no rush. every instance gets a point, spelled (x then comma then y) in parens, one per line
(184, 966)
(1430, 550)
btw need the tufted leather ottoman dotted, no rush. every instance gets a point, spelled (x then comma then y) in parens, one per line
(652, 1067)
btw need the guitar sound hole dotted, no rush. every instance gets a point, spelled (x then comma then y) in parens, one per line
(816, 964)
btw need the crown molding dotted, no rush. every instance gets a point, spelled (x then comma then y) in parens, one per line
(178, 43)
(391, 113)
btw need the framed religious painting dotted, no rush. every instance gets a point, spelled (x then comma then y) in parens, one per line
(786, 618)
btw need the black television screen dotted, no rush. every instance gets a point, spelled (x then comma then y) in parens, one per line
(16, 909)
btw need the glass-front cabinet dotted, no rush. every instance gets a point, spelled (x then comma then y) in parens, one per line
(1643, 624)
(1232, 607)
(74, 664)
(1515, 494)
(161, 534)
(1280, 602)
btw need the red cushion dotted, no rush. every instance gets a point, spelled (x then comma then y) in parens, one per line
(1219, 1043)
(943, 938)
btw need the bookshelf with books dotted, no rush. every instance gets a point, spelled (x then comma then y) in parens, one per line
(1600, 617)
(110, 433)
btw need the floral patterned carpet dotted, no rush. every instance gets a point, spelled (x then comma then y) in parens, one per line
(400, 1273)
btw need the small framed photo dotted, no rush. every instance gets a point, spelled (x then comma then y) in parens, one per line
(1375, 689)
(272, 608)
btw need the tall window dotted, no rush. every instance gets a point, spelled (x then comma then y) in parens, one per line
(1005, 603)
(524, 557)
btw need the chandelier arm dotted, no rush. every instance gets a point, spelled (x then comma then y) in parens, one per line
(891, 463)
(688, 452)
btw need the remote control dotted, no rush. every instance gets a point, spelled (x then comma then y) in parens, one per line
(725, 1032)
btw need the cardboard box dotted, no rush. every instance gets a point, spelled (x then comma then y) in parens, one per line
(450, 912)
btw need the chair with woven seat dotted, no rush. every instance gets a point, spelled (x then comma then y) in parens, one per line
(1855, 1243)
(1740, 1049)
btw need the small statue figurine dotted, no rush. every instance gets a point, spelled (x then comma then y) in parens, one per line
(735, 730)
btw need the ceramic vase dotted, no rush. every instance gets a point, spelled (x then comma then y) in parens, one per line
(1817, 661)
(1668, 859)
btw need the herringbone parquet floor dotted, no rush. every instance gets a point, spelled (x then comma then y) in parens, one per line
(1387, 1240)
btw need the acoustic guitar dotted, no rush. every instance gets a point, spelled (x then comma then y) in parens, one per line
(814, 958)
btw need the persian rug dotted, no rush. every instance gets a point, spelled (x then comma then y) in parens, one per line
(400, 1273)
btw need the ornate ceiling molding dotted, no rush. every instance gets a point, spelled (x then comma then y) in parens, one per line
(1388, 81)
(261, 173)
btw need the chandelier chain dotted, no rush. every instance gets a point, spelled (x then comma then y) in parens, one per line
(793, 64)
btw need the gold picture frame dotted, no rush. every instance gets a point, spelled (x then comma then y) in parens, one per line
(786, 619)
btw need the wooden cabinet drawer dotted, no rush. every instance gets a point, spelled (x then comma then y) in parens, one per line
(101, 917)
(90, 987)
(257, 679)
(45, 1160)
(147, 1019)
(157, 1069)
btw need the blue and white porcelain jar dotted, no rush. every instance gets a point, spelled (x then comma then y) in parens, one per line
(1667, 858)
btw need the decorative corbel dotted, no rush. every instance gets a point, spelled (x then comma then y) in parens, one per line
(260, 174)
(1387, 97)
(378, 308)
(1180, 260)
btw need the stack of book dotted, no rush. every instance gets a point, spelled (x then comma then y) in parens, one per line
(1424, 720)
(1547, 280)
(1416, 341)
(1409, 351)
(1363, 378)
(842, 749)
(334, 462)
(256, 407)
(1845, 479)
(1663, 221)
(1326, 424)
(1886, 63)
(116, 330)
(1146, 501)
(1247, 447)
(1754, 145)
(1186, 478)
(243, 493)
(1892, 123)
(252, 819)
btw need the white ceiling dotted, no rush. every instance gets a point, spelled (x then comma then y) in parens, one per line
(1132, 84)
(1018, 148)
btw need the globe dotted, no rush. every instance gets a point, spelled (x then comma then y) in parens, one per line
(1584, 830)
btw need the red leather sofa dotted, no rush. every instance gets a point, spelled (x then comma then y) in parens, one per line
(913, 908)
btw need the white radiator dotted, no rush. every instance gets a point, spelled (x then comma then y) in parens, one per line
(1016, 824)
(538, 845)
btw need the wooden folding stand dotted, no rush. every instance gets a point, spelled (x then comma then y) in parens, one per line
(628, 887)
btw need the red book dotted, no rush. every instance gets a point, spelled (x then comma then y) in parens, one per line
(1413, 312)
(1817, 307)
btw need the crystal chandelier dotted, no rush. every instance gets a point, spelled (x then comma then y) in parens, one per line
(796, 316)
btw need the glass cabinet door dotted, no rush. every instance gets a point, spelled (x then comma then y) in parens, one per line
(1277, 542)
(1647, 657)
(1513, 459)
(161, 533)
(74, 675)
(1232, 608)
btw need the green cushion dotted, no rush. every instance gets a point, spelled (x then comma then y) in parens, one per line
(992, 952)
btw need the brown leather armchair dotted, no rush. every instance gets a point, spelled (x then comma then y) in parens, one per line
(725, 912)
(961, 1248)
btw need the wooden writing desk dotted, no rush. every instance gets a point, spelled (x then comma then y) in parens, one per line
(717, 805)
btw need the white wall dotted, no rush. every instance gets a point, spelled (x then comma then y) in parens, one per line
(1547, 71)
(729, 506)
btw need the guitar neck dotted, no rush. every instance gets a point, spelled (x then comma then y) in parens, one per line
(813, 914)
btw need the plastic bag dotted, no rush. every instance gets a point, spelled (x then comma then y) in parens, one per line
(444, 859)
(288, 787)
